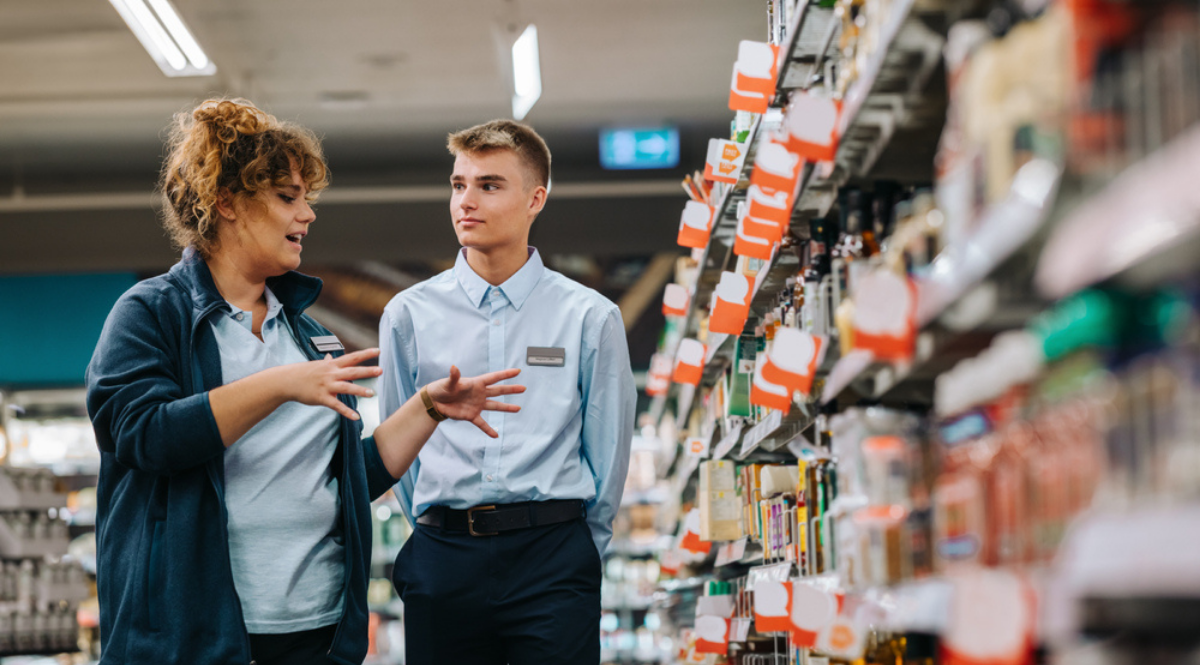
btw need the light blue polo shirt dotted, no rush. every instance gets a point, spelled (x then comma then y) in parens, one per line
(285, 540)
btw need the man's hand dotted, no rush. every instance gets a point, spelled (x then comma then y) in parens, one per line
(466, 399)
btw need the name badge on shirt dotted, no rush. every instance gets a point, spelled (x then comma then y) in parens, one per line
(546, 356)
(326, 343)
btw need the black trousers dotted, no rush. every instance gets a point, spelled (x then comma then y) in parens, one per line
(308, 647)
(526, 597)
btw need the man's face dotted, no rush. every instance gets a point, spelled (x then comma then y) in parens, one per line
(493, 203)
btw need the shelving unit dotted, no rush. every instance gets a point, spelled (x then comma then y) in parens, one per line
(40, 588)
(1136, 231)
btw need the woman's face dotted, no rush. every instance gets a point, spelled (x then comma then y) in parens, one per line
(269, 236)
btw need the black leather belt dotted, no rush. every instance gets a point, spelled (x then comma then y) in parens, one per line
(491, 520)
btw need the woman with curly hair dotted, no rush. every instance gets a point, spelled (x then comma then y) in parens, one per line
(235, 484)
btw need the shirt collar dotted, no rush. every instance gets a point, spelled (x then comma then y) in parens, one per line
(516, 288)
(274, 307)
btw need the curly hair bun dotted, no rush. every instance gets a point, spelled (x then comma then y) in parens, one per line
(231, 117)
(230, 145)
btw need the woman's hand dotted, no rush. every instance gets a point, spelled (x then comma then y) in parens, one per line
(319, 382)
(466, 399)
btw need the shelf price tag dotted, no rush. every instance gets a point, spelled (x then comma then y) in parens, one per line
(812, 610)
(689, 362)
(690, 540)
(659, 378)
(725, 161)
(695, 225)
(776, 167)
(769, 205)
(744, 100)
(675, 300)
(793, 360)
(993, 620)
(885, 316)
(843, 638)
(731, 304)
(773, 606)
(768, 394)
(756, 68)
(756, 239)
(811, 122)
(671, 562)
(712, 634)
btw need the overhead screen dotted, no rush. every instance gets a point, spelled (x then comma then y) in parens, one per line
(639, 148)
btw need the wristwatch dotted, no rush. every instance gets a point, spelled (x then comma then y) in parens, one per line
(437, 416)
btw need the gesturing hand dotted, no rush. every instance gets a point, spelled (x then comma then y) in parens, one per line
(319, 382)
(467, 399)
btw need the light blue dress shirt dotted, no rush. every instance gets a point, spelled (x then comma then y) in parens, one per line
(571, 438)
(285, 543)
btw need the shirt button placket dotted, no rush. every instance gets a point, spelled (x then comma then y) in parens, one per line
(495, 364)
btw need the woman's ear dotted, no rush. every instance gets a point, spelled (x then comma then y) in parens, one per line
(225, 206)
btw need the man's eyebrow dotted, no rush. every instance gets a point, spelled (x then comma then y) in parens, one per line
(491, 177)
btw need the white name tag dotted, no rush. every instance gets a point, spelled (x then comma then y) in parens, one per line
(326, 344)
(546, 356)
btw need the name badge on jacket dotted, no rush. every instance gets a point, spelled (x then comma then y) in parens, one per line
(326, 344)
(546, 356)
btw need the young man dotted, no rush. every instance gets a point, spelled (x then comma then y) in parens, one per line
(504, 562)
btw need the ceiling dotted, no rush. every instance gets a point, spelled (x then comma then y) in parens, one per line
(83, 109)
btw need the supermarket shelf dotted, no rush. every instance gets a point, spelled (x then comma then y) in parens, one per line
(675, 586)
(774, 432)
(743, 552)
(767, 284)
(1003, 230)
(887, 97)
(809, 42)
(920, 606)
(1142, 227)
(858, 376)
(765, 437)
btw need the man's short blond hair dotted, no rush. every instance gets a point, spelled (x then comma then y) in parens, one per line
(505, 135)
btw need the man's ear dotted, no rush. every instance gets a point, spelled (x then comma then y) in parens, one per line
(538, 200)
(225, 205)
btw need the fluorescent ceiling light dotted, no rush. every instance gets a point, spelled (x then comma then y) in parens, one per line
(527, 72)
(165, 37)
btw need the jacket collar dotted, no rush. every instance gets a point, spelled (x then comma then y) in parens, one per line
(295, 291)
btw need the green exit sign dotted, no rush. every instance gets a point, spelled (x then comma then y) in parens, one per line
(639, 148)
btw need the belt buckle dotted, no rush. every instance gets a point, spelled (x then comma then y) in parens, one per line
(471, 521)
